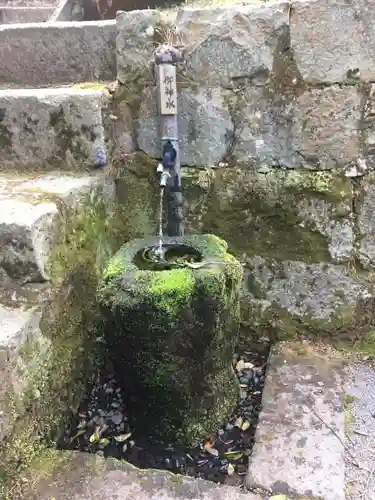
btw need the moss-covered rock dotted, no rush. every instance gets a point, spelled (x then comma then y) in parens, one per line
(293, 231)
(172, 333)
(289, 298)
(274, 213)
(56, 364)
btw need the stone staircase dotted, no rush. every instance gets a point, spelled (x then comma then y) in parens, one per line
(26, 11)
(49, 137)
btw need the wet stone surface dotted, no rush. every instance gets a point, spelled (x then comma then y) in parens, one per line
(103, 426)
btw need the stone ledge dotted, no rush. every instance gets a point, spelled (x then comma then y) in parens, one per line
(30, 218)
(61, 127)
(40, 54)
(14, 15)
(89, 476)
(295, 452)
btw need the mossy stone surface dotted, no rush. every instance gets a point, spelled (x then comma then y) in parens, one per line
(172, 334)
(276, 214)
(57, 370)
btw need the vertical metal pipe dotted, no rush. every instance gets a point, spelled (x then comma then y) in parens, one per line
(166, 58)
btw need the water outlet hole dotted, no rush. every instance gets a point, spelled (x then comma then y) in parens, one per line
(102, 426)
(173, 256)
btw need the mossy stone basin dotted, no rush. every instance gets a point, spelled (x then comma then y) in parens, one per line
(171, 332)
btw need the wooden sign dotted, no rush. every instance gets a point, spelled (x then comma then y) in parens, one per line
(167, 89)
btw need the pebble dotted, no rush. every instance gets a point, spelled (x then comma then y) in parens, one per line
(232, 442)
(117, 418)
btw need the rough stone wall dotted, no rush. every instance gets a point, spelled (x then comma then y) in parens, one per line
(276, 125)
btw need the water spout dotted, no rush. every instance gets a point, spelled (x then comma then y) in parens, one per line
(166, 58)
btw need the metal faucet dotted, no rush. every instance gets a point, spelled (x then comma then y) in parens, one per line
(166, 58)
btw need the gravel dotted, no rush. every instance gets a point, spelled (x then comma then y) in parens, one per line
(360, 408)
(103, 426)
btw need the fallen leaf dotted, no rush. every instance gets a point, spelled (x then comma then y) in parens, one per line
(104, 442)
(245, 425)
(94, 438)
(79, 433)
(230, 469)
(233, 455)
(238, 422)
(278, 497)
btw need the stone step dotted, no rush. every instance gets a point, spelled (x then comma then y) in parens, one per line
(16, 325)
(57, 53)
(92, 477)
(16, 15)
(299, 442)
(42, 128)
(30, 218)
(32, 211)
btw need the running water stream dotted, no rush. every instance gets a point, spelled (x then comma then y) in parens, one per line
(158, 252)
(161, 222)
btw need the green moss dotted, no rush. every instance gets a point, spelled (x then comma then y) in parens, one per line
(184, 322)
(58, 367)
(67, 138)
(259, 214)
(332, 187)
(89, 85)
(364, 341)
(170, 289)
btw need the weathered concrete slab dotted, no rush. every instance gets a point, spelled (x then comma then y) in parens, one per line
(40, 54)
(15, 15)
(16, 326)
(299, 446)
(91, 477)
(56, 127)
(230, 42)
(333, 40)
(29, 219)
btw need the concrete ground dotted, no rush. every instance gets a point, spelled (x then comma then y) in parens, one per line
(90, 477)
(299, 449)
(360, 429)
(315, 441)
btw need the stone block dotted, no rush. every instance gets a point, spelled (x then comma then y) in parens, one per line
(295, 233)
(15, 15)
(368, 128)
(16, 327)
(296, 451)
(44, 128)
(318, 297)
(33, 55)
(113, 479)
(333, 41)
(279, 214)
(30, 218)
(226, 43)
(366, 222)
(318, 129)
(205, 126)
(135, 44)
